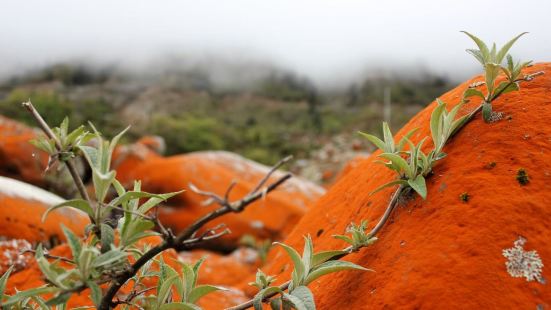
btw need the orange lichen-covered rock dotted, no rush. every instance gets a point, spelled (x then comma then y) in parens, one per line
(126, 158)
(13, 253)
(31, 277)
(22, 206)
(444, 252)
(227, 270)
(18, 158)
(214, 171)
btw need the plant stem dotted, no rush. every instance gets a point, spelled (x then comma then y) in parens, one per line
(384, 218)
(69, 163)
(179, 243)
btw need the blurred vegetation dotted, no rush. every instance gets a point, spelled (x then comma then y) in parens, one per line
(283, 114)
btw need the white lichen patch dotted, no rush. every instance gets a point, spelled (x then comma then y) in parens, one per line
(14, 188)
(521, 263)
(12, 254)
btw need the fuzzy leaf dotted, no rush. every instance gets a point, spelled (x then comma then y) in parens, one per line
(73, 241)
(202, 290)
(297, 260)
(472, 92)
(3, 281)
(257, 300)
(505, 49)
(330, 267)
(486, 111)
(78, 204)
(305, 295)
(481, 46)
(324, 256)
(398, 160)
(378, 142)
(107, 237)
(418, 184)
(389, 184)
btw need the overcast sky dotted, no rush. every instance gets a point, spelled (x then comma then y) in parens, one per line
(324, 40)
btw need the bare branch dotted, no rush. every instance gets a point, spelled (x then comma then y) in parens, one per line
(50, 134)
(185, 240)
(61, 258)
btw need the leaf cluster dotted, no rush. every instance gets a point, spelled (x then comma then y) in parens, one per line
(307, 268)
(492, 61)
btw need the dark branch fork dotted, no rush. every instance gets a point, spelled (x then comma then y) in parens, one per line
(50, 134)
(187, 239)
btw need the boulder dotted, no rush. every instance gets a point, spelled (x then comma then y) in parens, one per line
(447, 252)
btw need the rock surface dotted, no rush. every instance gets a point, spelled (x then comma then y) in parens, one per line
(444, 253)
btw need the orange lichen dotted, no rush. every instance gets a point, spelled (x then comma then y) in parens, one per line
(441, 253)
(271, 217)
(21, 209)
(210, 273)
(18, 158)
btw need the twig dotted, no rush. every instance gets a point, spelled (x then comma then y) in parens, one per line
(394, 200)
(185, 240)
(384, 218)
(70, 164)
(61, 258)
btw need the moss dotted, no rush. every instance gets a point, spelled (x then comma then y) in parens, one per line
(522, 177)
(491, 165)
(464, 197)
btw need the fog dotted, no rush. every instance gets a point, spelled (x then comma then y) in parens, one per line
(331, 42)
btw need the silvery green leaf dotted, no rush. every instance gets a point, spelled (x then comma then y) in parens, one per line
(322, 257)
(102, 182)
(344, 238)
(79, 204)
(202, 290)
(505, 87)
(295, 302)
(275, 303)
(19, 296)
(72, 240)
(91, 155)
(491, 73)
(257, 300)
(406, 137)
(481, 46)
(436, 121)
(307, 253)
(378, 142)
(155, 200)
(418, 184)
(330, 267)
(477, 54)
(305, 295)
(389, 184)
(398, 160)
(164, 290)
(4, 280)
(115, 140)
(505, 49)
(486, 111)
(389, 140)
(107, 237)
(493, 53)
(108, 258)
(60, 299)
(458, 123)
(297, 260)
(130, 195)
(95, 293)
(40, 302)
(471, 92)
